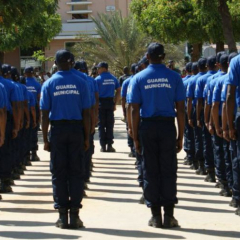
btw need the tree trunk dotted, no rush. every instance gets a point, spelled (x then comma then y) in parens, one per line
(227, 25)
(220, 47)
(1, 57)
(197, 52)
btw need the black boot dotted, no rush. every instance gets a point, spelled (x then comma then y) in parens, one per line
(234, 203)
(169, 220)
(9, 181)
(103, 148)
(5, 187)
(110, 148)
(194, 165)
(15, 176)
(188, 162)
(226, 192)
(156, 219)
(210, 176)
(62, 222)
(35, 157)
(75, 221)
(142, 200)
(201, 169)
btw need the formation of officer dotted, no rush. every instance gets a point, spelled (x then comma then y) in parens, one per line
(18, 125)
(210, 139)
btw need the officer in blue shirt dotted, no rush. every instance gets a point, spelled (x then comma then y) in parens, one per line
(3, 113)
(189, 146)
(223, 163)
(234, 128)
(154, 94)
(34, 87)
(192, 116)
(65, 104)
(107, 86)
(124, 108)
(207, 141)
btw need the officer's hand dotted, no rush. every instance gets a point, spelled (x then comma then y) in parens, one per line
(233, 134)
(27, 125)
(190, 122)
(130, 132)
(199, 124)
(47, 146)
(34, 125)
(86, 145)
(207, 125)
(179, 145)
(226, 135)
(93, 128)
(211, 129)
(138, 147)
(219, 132)
(14, 133)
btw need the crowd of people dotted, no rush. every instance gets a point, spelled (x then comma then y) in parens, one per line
(153, 95)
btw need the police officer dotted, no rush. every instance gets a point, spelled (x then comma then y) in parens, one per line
(34, 87)
(154, 94)
(3, 113)
(65, 104)
(107, 86)
(189, 146)
(124, 77)
(233, 99)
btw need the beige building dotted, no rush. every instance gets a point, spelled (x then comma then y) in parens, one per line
(76, 19)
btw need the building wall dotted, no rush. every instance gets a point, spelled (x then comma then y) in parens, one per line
(13, 58)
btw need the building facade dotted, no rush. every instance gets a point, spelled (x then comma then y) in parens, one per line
(76, 20)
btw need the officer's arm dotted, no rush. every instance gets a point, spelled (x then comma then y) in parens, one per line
(199, 108)
(96, 107)
(38, 106)
(215, 115)
(189, 108)
(33, 112)
(180, 107)
(16, 122)
(86, 126)
(93, 119)
(135, 112)
(2, 126)
(45, 125)
(124, 106)
(117, 96)
(26, 112)
(224, 122)
(231, 105)
(207, 109)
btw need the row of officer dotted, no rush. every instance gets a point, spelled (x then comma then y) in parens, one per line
(19, 128)
(210, 150)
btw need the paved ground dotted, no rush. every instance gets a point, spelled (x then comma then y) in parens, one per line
(111, 210)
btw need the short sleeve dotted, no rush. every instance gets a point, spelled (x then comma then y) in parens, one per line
(190, 90)
(124, 89)
(2, 99)
(95, 86)
(85, 96)
(45, 100)
(234, 72)
(14, 94)
(134, 93)
(180, 91)
(217, 92)
(117, 84)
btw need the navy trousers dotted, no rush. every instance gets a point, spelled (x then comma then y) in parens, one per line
(34, 133)
(67, 165)
(106, 121)
(228, 163)
(158, 139)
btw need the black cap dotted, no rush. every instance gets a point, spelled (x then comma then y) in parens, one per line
(224, 59)
(22, 80)
(144, 61)
(195, 66)
(133, 67)
(189, 67)
(211, 61)
(202, 62)
(63, 56)
(231, 56)
(155, 50)
(28, 70)
(6, 69)
(102, 65)
(219, 54)
(14, 72)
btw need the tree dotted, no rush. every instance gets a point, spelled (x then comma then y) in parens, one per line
(121, 43)
(195, 21)
(27, 23)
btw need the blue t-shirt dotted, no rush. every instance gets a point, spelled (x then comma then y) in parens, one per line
(34, 87)
(20, 90)
(65, 96)
(25, 92)
(201, 84)
(11, 91)
(186, 78)
(125, 87)
(156, 89)
(192, 86)
(31, 100)
(94, 89)
(90, 84)
(94, 83)
(107, 84)
(213, 80)
(3, 97)
(234, 76)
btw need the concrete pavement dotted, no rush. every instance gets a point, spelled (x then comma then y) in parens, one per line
(111, 210)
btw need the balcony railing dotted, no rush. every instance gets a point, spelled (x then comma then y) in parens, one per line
(79, 3)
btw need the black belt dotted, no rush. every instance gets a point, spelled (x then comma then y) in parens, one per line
(108, 98)
(159, 118)
(66, 122)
